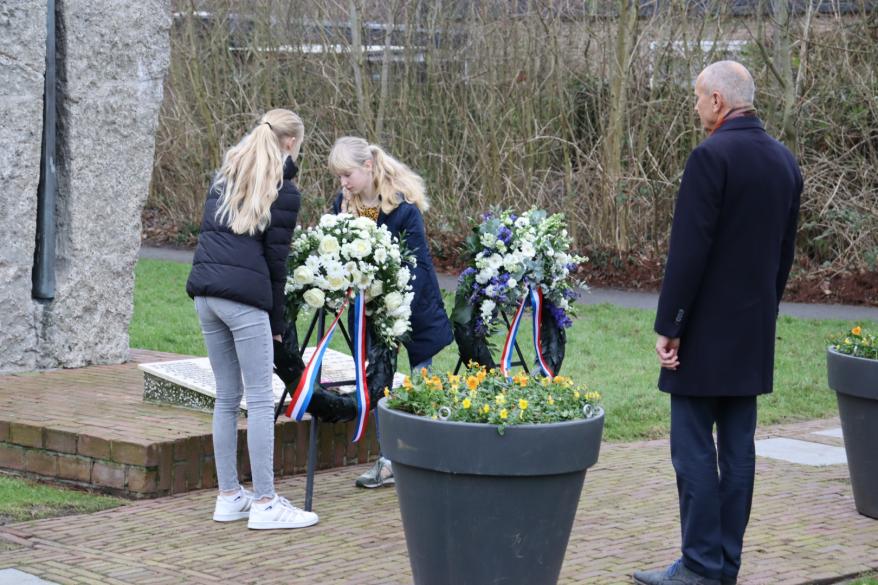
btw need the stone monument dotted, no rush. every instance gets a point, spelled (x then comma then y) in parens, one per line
(108, 60)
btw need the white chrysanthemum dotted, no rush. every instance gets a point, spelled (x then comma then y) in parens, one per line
(392, 301)
(487, 309)
(400, 327)
(495, 261)
(527, 250)
(381, 255)
(403, 277)
(363, 223)
(314, 297)
(376, 289)
(329, 220)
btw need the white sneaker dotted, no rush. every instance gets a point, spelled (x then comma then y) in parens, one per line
(279, 513)
(231, 508)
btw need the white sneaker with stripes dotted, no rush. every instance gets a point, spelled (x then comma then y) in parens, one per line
(231, 508)
(279, 513)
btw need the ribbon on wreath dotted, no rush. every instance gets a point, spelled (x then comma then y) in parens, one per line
(536, 299)
(302, 396)
(362, 391)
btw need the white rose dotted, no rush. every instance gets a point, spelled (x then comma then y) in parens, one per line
(527, 250)
(336, 281)
(393, 301)
(488, 240)
(400, 326)
(511, 283)
(303, 275)
(314, 297)
(522, 222)
(328, 246)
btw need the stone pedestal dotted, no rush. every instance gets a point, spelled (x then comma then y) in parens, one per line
(111, 58)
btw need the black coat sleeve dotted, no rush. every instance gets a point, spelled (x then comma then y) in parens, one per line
(695, 222)
(276, 246)
(788, 245)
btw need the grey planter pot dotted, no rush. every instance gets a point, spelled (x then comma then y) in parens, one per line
(481, 508)
(855, 381)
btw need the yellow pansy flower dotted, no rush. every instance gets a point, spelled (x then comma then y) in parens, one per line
(472, 382)
(486, 409)
(576, 394)
(467, 403)
(550, 400)
(500, 399)
(522, 404)
(386, 392)
(504, 414)
(407, 383)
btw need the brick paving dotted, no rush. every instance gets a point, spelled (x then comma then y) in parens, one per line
(804, 529)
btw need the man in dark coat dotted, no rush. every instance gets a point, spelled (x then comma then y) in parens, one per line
(732, 245)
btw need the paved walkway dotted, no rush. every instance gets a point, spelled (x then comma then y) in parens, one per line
(621, 298)
(803, 529)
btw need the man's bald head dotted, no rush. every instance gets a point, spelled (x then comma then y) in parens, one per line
(731, 80)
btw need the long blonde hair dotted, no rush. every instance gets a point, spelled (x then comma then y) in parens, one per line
(252, 172)
(389, 176)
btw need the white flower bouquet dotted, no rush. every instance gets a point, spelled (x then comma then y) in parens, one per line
(329, 262)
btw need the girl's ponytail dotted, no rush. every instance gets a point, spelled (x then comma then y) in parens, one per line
(252, 172)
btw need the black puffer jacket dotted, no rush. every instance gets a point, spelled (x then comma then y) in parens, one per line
(247, 269)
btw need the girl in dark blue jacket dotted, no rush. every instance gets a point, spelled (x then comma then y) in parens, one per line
(376, 185)
(237, 281)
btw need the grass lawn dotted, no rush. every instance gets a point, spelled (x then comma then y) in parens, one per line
(863, 581)
(25, 500)
(609, 348)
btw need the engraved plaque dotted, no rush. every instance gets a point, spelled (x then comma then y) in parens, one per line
(190, 382)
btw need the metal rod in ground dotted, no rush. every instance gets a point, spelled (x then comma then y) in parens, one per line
(312, 437)
(312, 463)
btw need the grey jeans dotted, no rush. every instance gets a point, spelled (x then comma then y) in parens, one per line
(241, 353)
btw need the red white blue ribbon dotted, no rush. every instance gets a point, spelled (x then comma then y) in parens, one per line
(537, 300)
(302, 396)
(509, 345)
(359, 340)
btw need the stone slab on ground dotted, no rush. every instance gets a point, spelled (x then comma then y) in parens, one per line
(836, 432)
(16, 577)
(90, 427)
(190, 382)
(804, 528)
(801, 452)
